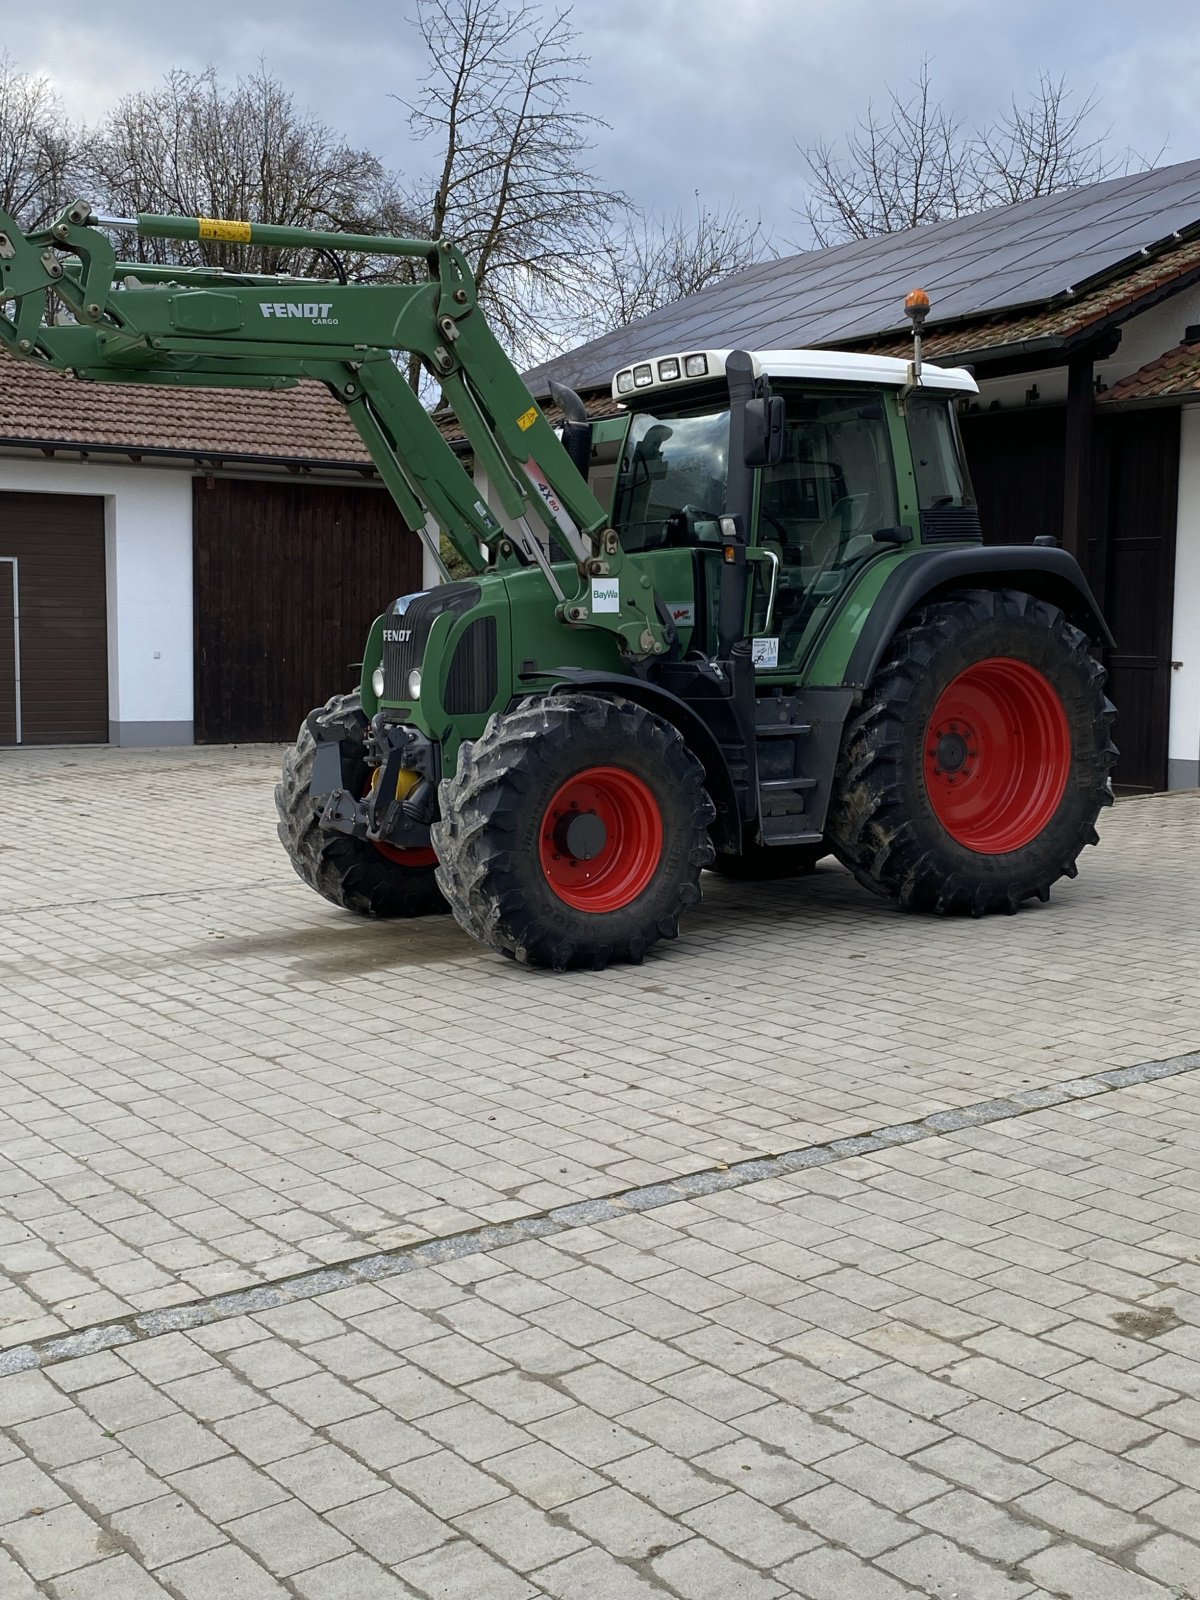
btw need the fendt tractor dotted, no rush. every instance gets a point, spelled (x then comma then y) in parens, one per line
(745, 623)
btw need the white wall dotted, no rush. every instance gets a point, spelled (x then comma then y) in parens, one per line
(1184, 747)
(148, 561)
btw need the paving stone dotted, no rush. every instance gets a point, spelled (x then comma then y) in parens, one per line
(56, 1541)
(934, 1566)
(111, 1481)
(117, 1579)
(324, 1477)
(699, 1571)
(447, 1485)
(594, 1575)
(764, 1474)
(883, 1478)
(172, 1444)
(849, 1519)
(219, 1574)
(462, 1571)
(23, 1486)
(750, 1530)
(964, 1462)
(1110, 1477)
(982, 1526)
(266, 1434)
(544, 1475)
(354, 1577)
(623, 1525)
(390, 1526)
(664, 1480)
(1081, 1574)
(1170, 1559)
(518, 1533)
(228, 1488)
(590, 1438)
(164, 1530)
(287, 1538)
(380, 1439)
(829, 1574)
(14, 1583)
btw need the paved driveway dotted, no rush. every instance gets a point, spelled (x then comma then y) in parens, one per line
(307, 1222)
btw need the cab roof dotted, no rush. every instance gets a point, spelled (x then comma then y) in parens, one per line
(677, 369)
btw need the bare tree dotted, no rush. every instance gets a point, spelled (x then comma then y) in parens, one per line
(196, 148)
(37, 147)
(913, 161)
(510, 184)
(656, 259)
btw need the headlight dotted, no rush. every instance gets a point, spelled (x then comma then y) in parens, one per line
(643, 377)
(696, 366)
(414, 684)
(624, 382)
(377, 682)
(667, 370)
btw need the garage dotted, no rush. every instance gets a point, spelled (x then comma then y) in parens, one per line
(53, 620)
(288, 579)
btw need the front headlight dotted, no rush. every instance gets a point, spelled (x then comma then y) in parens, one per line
(377, 682)
(414, 684)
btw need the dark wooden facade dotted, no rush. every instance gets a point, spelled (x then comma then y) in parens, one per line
(288, 578)
(1021, 468)
(53, 620)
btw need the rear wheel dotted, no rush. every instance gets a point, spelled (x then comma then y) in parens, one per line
(573, 832)
(973, 775)
(375, 880)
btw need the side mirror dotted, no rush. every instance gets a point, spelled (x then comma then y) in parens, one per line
(764, 431)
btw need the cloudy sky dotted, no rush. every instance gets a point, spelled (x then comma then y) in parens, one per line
(708, 95)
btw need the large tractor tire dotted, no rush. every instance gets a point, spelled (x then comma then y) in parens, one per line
(375, 880)
(759, 863)
(573, 832)
(973, 775)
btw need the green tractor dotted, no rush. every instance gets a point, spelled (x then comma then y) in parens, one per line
(748, 622)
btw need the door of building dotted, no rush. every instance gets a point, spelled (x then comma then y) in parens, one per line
(53, 620)
(288, 579)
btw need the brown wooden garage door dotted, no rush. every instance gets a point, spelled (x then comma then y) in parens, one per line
(289, 578)
(53, 620)
(1016, 460)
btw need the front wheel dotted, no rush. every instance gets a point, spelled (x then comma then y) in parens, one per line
(573, 832)
(973, 775)
(374, 880)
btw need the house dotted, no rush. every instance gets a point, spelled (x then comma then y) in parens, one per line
(1080, 315)
(183, 564)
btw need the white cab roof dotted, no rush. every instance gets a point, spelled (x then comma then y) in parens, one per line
(823, 366)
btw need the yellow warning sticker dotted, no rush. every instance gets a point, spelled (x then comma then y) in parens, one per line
(527, 419)
(218, 228)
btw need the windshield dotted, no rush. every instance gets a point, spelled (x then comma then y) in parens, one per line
(671, 487)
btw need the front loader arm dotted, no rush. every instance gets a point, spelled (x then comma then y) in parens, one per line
(66, 301)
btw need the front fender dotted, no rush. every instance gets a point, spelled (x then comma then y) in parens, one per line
(726, 829)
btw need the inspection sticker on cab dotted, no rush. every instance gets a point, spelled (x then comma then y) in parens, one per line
(765, 652)
(606, 594)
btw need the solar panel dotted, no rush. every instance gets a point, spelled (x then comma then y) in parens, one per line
(1012, 256)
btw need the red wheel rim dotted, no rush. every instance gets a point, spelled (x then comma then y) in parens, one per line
(997, 755)
(601, 839)
(422, 856)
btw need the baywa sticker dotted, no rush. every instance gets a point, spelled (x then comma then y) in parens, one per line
(606, 594)
(765, 653)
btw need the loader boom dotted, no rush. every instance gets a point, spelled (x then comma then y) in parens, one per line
(67, 302)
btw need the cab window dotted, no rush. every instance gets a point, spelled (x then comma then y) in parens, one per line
(822, 505)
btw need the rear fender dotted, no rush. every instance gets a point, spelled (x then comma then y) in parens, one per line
(1049, 573)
